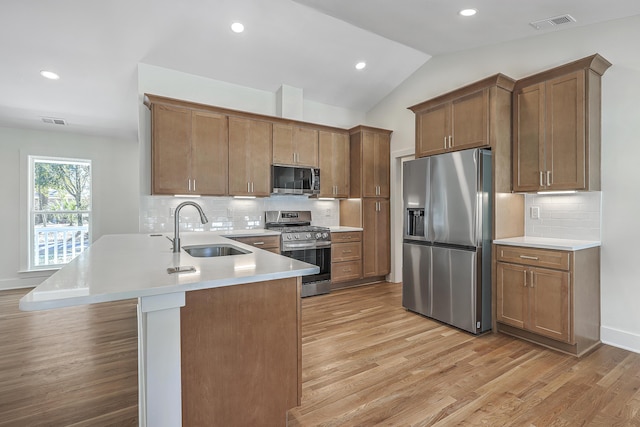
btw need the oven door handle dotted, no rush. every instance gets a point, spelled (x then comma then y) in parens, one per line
(293, 246)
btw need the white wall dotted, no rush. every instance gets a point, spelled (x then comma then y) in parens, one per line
(615, 41)
(115, 190)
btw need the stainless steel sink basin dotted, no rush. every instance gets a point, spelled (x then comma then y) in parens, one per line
(207, 251)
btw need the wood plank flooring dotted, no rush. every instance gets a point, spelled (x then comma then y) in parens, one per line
(366, 362)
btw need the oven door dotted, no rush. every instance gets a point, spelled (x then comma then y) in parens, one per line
(314, 284)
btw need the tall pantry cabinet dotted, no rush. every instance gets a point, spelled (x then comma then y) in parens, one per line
(368, 206)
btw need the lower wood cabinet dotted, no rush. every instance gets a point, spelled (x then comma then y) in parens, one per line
(346, 256)
(268, 243)
(241, 352)
(376, 237)
(551, 297)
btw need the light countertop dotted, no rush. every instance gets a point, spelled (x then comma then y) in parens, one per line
(343, 229)
(548, 243)
(125, 266)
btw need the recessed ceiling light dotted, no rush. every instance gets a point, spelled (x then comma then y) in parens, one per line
(49, 75)
(237, 27)
(360, 65)
(468, 12)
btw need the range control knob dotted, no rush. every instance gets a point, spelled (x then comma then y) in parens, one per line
(325, 235)
(318, 235)
(295, 236)
(308, 236)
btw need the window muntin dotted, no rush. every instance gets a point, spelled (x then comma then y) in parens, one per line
(59, 211)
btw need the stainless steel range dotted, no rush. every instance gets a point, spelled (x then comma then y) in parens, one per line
(302, 241)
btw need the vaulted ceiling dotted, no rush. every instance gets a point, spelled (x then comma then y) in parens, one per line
(314, 45)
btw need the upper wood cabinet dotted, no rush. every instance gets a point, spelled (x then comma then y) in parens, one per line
(556, 128)
(460, 119)
(334, 164)
(249, 155)
(370, 162)
(189, 151)
(295, 145)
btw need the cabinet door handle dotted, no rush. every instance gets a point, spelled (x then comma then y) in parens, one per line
(541, 179)
(535, 258)
(445, 142)
(194, 185)
(450, 144)
(524, 272)
(189, 181)
(548, 177)
(532, 278)
(252, 186)
(248, 187)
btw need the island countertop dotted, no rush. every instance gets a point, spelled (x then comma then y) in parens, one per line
(124, 266)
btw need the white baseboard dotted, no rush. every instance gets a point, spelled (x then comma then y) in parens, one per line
(622, 339)
(19, 283)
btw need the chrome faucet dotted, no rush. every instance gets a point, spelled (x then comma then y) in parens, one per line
(176, 224)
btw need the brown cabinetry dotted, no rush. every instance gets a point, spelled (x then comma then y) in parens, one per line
(549, 296)
(189, 151)
(556, 123)
(370, 162)
(241, 348)
(376, 238)
(334, 164)
(460, 119)
(268, 243)
(295, 145)
(249, 155)
(346, 256)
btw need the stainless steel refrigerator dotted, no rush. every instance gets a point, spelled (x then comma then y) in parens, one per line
(446, 251)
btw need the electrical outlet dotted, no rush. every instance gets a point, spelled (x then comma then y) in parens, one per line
(229, 212)
(172, 212)
(535, 212)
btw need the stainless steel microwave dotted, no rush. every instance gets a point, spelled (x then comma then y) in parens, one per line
(295, 180)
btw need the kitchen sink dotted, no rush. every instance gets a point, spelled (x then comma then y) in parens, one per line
(208, 251)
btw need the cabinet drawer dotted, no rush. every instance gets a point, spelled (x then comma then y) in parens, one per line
(345, 271)
(262, 242)
(349, 236)
(346, 251)
(559, 260)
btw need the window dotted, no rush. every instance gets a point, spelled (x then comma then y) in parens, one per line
(59, 211)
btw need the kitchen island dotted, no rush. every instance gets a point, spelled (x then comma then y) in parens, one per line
(196, 327)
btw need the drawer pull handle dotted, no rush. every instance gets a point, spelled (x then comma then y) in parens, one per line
(346, 270)
(535, 258)
(258, 243)
(346, 251)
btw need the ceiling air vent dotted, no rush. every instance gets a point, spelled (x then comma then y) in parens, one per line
(552, 22)
(54, 121)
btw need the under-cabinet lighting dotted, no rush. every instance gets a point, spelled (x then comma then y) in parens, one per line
(558, 192)
(326, 198)
(244, 197)
(186, 195)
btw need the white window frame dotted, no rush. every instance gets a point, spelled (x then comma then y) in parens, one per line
(32, 159)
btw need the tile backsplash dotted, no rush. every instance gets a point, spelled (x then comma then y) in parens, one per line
(227, 213)
(564, 216)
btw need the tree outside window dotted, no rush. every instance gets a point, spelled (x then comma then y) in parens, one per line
(60, 216)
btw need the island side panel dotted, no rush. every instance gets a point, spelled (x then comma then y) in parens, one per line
(241, 354)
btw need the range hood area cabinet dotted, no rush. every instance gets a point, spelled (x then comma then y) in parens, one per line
(556, 128)
(189, 151)
(461, 119)
(295, 145)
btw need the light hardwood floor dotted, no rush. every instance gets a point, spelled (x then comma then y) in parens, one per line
(366, 362)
